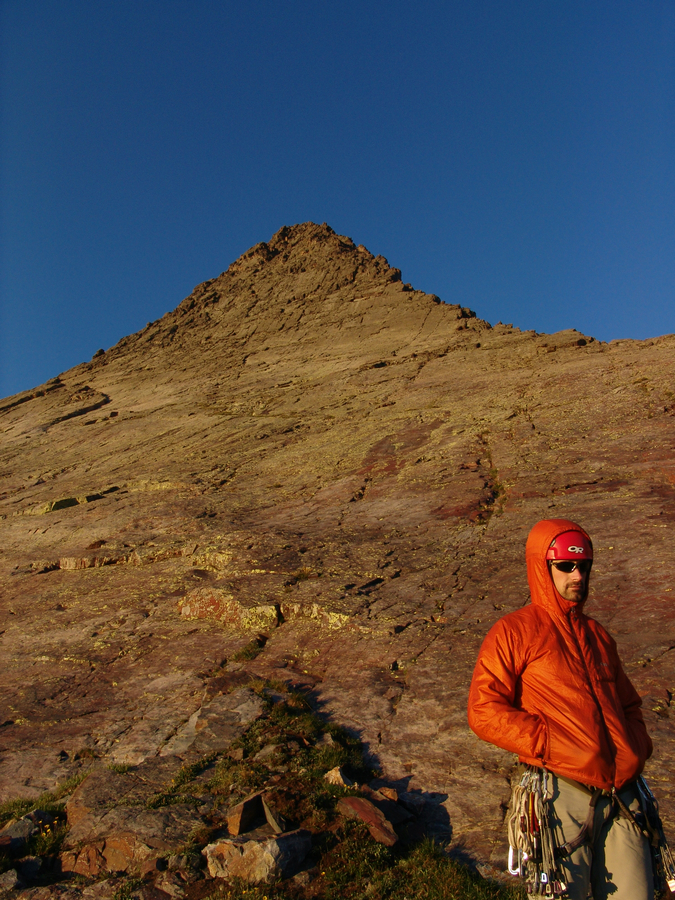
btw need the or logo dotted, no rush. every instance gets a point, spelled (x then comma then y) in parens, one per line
(576, 549)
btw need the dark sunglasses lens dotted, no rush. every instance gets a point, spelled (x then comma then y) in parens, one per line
(567, 566)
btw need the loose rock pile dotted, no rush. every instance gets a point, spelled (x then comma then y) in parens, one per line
(173, 822)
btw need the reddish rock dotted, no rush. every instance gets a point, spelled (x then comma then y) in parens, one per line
(378, 825)
(275, 819)
(218, 604)
(246, 815)
(125, 852)
(394, 812)
(151, 866)
(110, 827)
(88, 861)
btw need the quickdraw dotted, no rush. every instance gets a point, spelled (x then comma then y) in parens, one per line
(532, 848)
(663, 864)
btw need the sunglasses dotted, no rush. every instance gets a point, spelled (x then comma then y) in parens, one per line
(569, 565)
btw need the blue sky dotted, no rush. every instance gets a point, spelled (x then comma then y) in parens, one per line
(517, 158)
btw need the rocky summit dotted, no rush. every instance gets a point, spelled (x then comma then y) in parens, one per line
(312, 458)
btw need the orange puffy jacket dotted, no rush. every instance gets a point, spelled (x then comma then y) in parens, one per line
(549, 685)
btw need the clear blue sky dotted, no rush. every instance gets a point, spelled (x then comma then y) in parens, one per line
(515, 157)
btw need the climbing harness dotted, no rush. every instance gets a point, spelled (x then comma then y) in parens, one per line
(646, 819)
(532, 847)
(534, 853)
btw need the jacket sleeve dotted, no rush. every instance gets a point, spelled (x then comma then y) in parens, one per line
(632, 703)
(493, 712)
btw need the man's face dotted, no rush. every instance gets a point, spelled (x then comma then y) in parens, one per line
(570, 585)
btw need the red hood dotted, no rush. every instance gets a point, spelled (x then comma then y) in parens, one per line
(542, 591)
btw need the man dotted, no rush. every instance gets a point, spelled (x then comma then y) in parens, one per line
(549, 686)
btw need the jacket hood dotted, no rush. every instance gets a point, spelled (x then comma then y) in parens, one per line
(542, 591)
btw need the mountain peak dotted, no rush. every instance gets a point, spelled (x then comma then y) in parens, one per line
(307, 286)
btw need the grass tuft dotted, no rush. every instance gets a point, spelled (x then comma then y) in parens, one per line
(251, 650)
(49, 801)
(357, 868)
(127, 890)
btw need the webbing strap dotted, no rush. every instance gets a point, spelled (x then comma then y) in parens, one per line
(586, 833)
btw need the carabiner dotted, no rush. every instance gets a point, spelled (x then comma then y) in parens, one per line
(513, 871)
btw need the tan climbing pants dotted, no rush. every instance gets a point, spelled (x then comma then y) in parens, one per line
(616, 864)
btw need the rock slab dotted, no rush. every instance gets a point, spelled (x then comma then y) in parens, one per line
(379, 826)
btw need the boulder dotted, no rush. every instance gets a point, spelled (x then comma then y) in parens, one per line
(258, 862)
(122, 839)
(393, 811)
(216, 603)
(246, 815)
(89, 861)
(13, 837)
(378, 825)
(337, 776)
(274, 818)
(9, 881)
(252, 812)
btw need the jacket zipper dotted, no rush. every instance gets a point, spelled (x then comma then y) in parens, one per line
(592, 688)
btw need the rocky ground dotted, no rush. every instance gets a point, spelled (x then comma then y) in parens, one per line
(310, 451)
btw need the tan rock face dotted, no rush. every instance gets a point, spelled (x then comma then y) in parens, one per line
(258, 862)
(310, 450)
